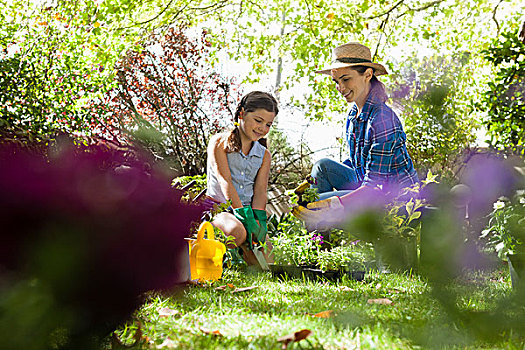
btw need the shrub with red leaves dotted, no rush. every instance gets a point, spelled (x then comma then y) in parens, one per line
(170, 98)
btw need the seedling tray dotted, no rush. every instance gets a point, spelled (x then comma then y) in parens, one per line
(291, 271)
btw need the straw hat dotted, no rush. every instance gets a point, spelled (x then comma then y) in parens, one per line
(352, 54)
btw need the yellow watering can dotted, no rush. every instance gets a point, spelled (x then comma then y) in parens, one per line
(206, 255)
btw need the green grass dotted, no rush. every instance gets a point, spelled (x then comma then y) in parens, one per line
(255, 319)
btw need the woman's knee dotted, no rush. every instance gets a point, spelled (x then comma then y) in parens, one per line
(320, 166)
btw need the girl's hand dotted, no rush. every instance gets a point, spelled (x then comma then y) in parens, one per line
(261, 217)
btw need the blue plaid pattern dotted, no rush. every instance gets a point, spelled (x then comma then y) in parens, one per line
(376, 142)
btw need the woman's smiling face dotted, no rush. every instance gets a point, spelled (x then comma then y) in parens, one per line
(352, 85)
(256, 125)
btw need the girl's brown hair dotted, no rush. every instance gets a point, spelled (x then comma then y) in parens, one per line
(250, 102)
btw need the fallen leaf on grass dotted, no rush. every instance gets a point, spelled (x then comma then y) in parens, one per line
(396, 290)
(228, 285)
(167, 343)
(238, 290)
(294, 337)
(346, 289)
(382, 301)
(323, 314)
(235, 290)
(167, 312)
(210, 332)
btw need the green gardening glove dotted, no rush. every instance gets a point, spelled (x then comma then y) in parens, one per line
(260, 235)
(245, 215)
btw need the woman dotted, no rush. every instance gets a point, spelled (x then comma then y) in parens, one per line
(378, 157)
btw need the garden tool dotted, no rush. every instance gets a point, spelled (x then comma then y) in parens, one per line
(206, 255)
(259, 255)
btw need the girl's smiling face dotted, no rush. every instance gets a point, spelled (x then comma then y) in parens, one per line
(255, 125)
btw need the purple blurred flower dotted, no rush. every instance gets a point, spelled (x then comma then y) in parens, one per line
(98, 239)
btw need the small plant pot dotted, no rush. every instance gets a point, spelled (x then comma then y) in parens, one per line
(312, 274)
(276, 269)
(290, 271)
(355, 275)
(396, 254)
(517, 270)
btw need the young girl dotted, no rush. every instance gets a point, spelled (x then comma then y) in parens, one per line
(238, 170)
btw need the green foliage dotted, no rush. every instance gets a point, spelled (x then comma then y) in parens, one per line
(54, 60)
(434, 94)
(289, 164)
(294, 245)
(399, 221)
(195, 189)
(504, 99)
(308, 196)
(353, 257)
(504, 232)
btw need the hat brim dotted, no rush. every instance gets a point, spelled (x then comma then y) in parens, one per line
(379, 69)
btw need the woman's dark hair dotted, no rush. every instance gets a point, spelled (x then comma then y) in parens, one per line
(377, 88)
(250, 102)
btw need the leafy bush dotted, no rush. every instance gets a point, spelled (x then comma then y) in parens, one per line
(504, 100)
(49, 66)
(505, 233)
(433, 94)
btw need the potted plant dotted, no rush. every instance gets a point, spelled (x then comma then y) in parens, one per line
(505, 234)
(299, 253)
(396, 246)
(293, 246)
(348, 259)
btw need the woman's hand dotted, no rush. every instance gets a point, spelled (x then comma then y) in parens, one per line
(323, 212)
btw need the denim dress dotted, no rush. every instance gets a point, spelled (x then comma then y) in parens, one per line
(243, 169)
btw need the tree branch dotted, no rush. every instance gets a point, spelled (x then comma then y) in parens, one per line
(424, 7)
(522, 32)
(388, 11)
(494, 16)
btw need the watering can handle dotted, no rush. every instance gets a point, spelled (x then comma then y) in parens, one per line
(205, 226)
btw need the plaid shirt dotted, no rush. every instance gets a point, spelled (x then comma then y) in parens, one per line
(376, 142)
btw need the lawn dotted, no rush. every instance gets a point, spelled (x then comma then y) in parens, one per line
(385, 311)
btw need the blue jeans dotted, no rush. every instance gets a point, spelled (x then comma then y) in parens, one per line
(334, 178)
